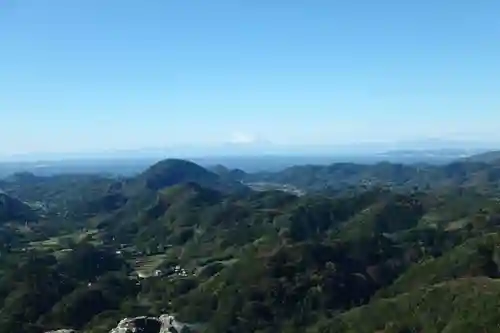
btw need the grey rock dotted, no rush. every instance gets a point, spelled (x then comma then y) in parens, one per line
(163, 324)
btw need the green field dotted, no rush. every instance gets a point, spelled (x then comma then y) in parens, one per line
(62, 242)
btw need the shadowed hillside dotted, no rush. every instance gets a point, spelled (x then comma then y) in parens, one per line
(13, 210)
(459, 306)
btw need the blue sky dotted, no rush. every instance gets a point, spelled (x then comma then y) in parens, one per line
(87, 75)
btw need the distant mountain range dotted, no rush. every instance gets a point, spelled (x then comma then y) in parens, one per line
(265, 148)
(128, 163)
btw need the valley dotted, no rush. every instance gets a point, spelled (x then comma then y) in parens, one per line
(311, 248)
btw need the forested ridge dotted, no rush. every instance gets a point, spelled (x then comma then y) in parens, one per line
(481, 172)
(361, 248)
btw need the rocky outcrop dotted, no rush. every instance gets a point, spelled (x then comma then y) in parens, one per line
(163, 324)
(138, 324)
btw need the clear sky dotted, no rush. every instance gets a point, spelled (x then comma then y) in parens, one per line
(85, 75)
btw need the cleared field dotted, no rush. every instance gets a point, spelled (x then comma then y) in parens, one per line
(147, 265)
(51, 243)
(63, 241)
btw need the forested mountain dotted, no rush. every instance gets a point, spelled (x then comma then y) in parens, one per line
(390, 257)
(174, 171)
(487, 157)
